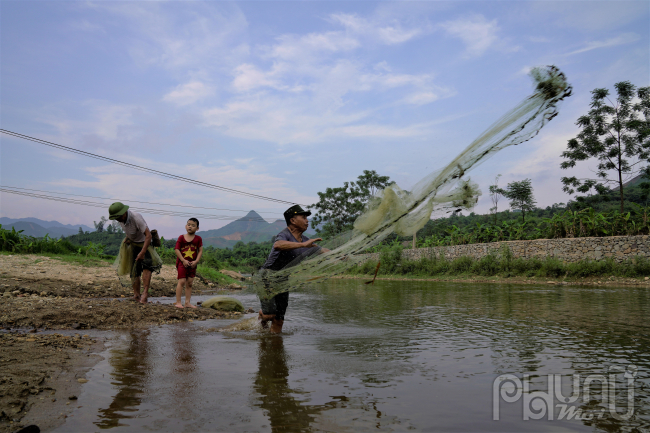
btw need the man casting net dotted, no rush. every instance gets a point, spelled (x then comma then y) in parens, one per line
(393, 210)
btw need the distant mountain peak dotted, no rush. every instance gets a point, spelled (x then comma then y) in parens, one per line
(252, 215)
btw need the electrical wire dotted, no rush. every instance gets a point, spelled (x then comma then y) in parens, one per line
(130, 201)
(140, 168)
(139, 209)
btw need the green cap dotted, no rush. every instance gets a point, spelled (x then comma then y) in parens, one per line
(293, 211)
(116, 210)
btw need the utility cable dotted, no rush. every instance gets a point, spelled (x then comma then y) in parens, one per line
(130, 201)
(140, 209)
(141, 168)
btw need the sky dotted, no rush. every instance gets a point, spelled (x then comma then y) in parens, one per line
(286, 99)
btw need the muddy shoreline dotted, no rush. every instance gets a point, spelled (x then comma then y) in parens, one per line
(50, 311)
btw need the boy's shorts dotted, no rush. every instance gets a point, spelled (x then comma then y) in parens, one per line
(184, 272)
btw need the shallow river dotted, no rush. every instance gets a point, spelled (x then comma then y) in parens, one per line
(397, 356)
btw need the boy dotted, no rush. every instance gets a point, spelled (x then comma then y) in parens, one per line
(189, 246)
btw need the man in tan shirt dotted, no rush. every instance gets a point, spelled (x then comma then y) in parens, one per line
(138, 236)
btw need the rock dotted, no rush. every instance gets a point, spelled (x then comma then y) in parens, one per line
(29, 429)
(224, 303)
(234, 286)
(81, 380)
(72, 397)
(647, 278)
(76, 326)
(44, 293)
(233, 274)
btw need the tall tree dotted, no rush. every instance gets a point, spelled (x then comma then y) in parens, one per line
(495, 195)
(338, 208)
(520, 195)
(617, 133)
(99, 226)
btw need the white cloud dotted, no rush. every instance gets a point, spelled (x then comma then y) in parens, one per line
(478, 34)
(388, 33)
(188, 93)
(625, 38)
(421, 98)
(176, 36)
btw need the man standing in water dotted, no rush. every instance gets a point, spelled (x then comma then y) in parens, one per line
(138, 238)
(289, 244)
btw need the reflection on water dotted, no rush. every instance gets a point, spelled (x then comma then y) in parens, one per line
(129, 375)
(286, 412)
(392, 357)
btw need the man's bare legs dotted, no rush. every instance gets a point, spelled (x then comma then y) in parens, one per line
(179, 292)
(146, 280)
(276, 324)
(264, 319)
(188, 293)
(136, 288)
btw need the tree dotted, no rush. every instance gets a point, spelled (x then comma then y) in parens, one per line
(617, 134)
(521, 197)
(338, 208)
(117, 228)
(99, 226)
(81, 231)
(495, 195)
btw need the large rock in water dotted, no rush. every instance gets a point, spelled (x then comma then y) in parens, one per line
(224, 303)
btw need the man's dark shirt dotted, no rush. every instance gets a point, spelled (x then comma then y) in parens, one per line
(280, 259)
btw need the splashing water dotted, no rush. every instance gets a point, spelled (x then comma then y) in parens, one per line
(394, 210)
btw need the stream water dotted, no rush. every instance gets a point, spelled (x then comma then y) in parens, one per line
(396, 356)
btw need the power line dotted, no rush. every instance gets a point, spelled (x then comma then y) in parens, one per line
(130, 201)
(139, 209)
(140, 168)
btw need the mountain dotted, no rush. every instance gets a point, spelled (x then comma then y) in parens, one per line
(250, 228)
(46, 224)
(38, 231)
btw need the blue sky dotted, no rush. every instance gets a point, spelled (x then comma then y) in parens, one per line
(285, 99)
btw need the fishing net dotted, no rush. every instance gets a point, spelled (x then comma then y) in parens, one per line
(394, 210)
(125, 266)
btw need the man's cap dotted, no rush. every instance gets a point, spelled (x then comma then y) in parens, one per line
(293, 211)
(116, 210)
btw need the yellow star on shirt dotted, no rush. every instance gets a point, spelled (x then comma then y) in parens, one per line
(188, 253)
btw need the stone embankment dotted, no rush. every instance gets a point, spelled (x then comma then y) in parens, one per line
(618, 248)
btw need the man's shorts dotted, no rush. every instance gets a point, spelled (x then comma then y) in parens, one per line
(276, 305)
(184, 272)
(139, 265)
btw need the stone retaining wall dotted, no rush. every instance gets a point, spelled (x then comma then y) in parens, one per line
(618, 248)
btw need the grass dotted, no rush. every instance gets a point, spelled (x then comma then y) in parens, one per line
(215, 276)
(501, 265)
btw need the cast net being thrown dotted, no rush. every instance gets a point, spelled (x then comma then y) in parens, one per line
(394, 210)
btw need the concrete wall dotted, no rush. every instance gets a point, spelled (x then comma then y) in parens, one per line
(568, 250)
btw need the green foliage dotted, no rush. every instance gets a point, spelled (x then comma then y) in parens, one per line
(15, 241)
(501, 264)
(110, 239)
(521, 197)
(617, 134)
(337, 208)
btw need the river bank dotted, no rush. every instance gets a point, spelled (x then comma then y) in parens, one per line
(588, 281)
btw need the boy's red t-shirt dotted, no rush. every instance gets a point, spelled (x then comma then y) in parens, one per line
(189, 250)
